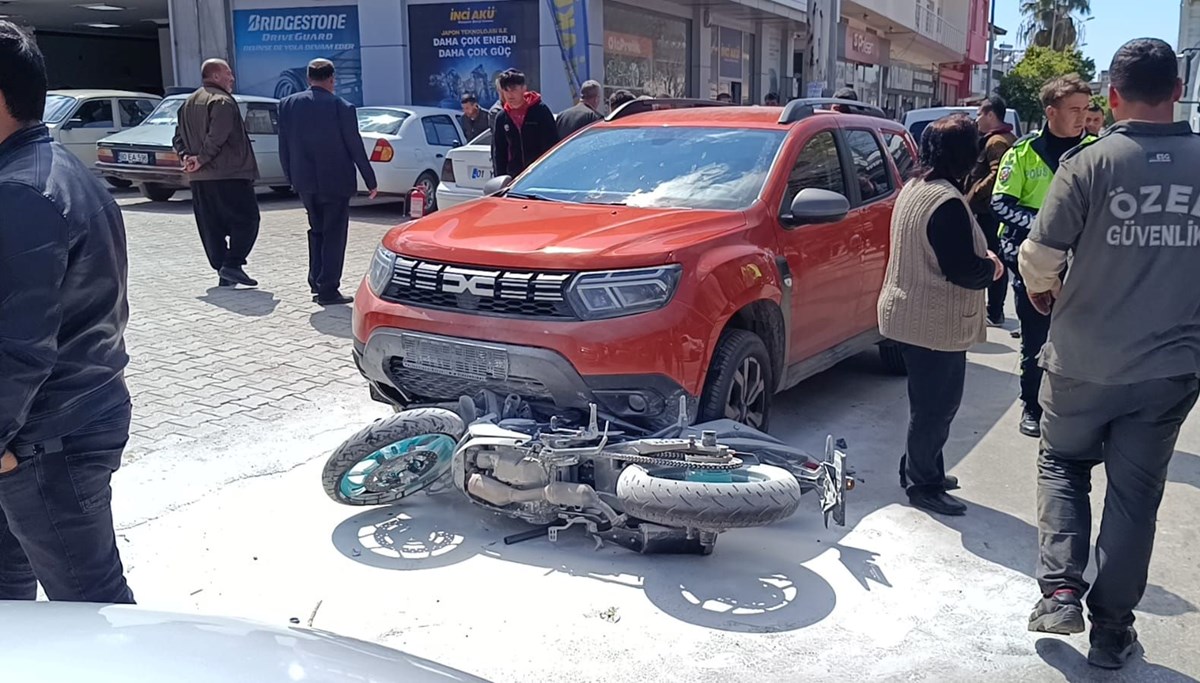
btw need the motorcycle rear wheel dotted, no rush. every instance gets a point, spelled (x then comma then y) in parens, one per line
(755, 495)
(425, 438)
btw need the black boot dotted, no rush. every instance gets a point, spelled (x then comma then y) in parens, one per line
(1031, 423)
(236, 274)
(1112, 648)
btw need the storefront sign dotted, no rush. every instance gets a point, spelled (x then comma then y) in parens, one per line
(729, 46)
(862, 47)
(570, 25)
(462, 47)
(638, 47)
(272, 49)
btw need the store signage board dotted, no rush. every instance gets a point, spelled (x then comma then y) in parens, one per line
(272, 49)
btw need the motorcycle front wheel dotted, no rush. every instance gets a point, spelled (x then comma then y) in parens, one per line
(749, 496)
(393, 458)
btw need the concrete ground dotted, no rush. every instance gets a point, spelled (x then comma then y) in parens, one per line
(240, 396)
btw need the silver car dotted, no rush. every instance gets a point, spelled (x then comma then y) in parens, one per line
(62, 642)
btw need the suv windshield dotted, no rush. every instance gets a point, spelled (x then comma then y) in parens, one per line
(680, 167)
(57, 108)
(165, 113)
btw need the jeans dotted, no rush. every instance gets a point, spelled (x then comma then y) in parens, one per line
(935, 389)
(56, 522)
(328, 225)
(1132, 430)
(227, 217)
(1035, 328)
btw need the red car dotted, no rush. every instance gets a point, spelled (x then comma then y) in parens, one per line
(719, 254)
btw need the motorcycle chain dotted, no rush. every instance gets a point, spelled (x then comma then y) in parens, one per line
(679, 461)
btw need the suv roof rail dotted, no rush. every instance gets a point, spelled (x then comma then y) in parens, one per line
(640, 106)
(800, 109)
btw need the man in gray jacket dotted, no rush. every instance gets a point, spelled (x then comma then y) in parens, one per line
(1123, 354)
(212, 143)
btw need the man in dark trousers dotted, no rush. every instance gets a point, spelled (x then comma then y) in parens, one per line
(321, 151)
(212, 143)
(525, 130)
(997, 138)
(64, 408)
(1123, 355)
(583, 114)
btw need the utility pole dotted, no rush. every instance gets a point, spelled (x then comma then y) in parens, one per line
(835, 17)
(987, 91)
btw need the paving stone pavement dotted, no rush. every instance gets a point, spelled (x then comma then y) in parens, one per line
(206, 360)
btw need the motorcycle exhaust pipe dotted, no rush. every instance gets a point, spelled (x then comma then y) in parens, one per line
(557, 493)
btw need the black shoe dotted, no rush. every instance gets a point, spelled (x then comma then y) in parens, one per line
(237, 275)
(938, 502)
(225, 283)
(1112, 648)
(336, 299)
(1030, 424)
(995, 320)
(1061, 613)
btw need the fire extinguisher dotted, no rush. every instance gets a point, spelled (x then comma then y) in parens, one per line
(416, 202)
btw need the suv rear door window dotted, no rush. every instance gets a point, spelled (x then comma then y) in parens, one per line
(818, 167)
(440, 131)
(262, 118)
(870, 165)
(898, 148)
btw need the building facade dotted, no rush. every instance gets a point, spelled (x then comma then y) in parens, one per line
(429, 52)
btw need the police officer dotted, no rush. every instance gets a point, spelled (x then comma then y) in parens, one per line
(1124, 350)
(1021, 186)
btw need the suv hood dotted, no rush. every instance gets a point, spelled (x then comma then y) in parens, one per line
(512, 233)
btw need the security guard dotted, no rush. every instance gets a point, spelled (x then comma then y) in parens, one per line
(1123, 356)
(1021, 186)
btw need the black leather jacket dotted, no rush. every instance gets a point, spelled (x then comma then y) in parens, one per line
(62, 292)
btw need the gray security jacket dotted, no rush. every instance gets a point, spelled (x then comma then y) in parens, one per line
(1126, 209)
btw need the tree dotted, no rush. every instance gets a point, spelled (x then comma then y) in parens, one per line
(1053, 23)
(1102, 102)
(1021, 88)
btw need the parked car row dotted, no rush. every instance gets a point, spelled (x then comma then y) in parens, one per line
(127, 138)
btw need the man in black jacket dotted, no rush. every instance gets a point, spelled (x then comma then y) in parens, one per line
(64, 408)
(583, 114)
(322, 151)
(525, 130)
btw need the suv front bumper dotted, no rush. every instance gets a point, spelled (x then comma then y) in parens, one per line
(538, 375)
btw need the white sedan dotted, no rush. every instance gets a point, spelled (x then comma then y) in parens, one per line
(465, 171)
(407, 145)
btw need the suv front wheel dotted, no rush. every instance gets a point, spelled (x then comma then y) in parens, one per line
(741, 381)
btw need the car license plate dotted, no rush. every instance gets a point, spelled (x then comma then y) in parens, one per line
(133, 157)
(477, 362)
(478, 173)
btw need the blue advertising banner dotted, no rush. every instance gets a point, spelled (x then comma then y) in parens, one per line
(272, 49)
(462, 47)
(570, 24)
(730, 53)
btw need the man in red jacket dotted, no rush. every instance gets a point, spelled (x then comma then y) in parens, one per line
(525, 130)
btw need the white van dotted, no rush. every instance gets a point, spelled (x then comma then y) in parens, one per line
(916, 120)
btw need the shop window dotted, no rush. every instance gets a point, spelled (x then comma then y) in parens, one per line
(817, 167)
(870, 166)
(645, 52)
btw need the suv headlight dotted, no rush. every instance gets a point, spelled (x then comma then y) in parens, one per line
(382, 266)
(614, 293)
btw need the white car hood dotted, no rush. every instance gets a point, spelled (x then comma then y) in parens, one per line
(62, 642)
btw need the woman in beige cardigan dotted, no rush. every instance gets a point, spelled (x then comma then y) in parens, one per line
(933, 302)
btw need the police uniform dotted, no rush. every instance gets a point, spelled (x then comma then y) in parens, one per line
(1021, 186)
(1123, 353)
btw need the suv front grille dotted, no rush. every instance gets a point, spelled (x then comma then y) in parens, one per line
(428, 385)
(479, 290)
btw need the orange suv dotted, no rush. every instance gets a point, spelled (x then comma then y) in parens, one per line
(716, 254)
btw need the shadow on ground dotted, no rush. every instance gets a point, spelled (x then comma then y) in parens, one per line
(333, 321)
(1074, 667)
(252, 303)
(1185, 469)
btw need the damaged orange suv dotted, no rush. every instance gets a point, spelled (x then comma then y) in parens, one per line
(676, 250)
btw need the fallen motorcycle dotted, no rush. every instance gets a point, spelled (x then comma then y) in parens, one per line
(672, 491)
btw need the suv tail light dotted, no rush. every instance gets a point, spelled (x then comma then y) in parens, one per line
(383, 151)
(448, 171)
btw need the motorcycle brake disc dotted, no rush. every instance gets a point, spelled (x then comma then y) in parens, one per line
(398, 472)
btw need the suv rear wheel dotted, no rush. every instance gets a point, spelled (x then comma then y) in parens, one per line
(741, 381)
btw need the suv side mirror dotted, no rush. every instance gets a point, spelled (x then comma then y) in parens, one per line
(496, 184)
(812, 206)
(76, 122)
